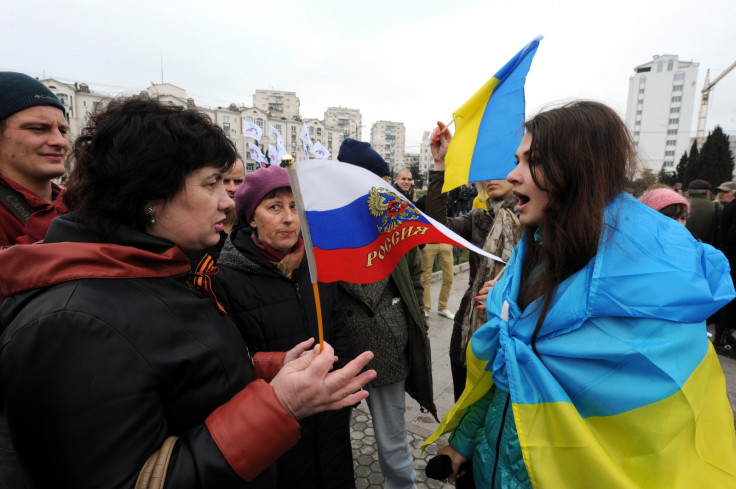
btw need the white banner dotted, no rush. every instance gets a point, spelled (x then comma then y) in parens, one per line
(320, 152)
(252, 131)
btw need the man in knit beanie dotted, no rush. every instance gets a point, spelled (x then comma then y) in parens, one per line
(33, 148)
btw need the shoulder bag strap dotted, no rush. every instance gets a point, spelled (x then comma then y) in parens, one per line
(14, 201)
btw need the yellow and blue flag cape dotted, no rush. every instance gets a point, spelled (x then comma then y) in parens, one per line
(488, 125)
(627, 390)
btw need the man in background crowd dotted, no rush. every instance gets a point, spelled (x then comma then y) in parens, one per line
(33, 147)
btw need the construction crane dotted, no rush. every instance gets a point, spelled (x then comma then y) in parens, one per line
(705, 97)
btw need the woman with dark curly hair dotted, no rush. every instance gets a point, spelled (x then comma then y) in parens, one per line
(119, 367)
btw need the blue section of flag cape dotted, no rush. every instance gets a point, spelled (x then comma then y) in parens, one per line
(625, 331)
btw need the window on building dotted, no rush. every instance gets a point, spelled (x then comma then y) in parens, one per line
(660, 65)
(680, 75)
(226, 118)
(671, 132)
(677, 99)
(277, 127)
(638, 111)
(226, 127)
(311, 132)
(670, 65)
(677, 88)
(674, 110)
(249, 119)
(259, 122)
(641, 90)
(675, 121)
(671, 142)
(62, 97)
(669, 153)
(319, 131)
(293, 130)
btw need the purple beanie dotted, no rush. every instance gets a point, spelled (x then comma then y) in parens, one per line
(254, 188)
(660, 198)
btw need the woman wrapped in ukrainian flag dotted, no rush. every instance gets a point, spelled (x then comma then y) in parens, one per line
(594, 368)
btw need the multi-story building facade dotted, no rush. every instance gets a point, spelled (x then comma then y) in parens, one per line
(389, 140)
(350, 121)
(426, 162)
(277, 103)
(80, 102)
(659, 110)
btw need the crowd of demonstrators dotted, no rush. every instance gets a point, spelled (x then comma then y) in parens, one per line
(207, 377)
(704, 220)
(496, 230)
(563, 323)
(33, 148)
(264, 273)
(386, 318)
(725, 323)
(118, 364)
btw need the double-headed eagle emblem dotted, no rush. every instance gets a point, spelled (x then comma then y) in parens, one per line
(389, 210)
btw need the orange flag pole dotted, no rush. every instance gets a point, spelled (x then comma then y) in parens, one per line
(319, 316)
(288, 161)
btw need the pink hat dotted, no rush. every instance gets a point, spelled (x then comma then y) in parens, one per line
(660, 198)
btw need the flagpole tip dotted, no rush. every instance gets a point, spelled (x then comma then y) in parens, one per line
(287, 160)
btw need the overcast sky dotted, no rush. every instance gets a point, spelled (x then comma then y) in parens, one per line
(398, 60)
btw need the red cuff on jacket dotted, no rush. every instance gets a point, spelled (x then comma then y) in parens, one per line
(266, 364)
(252, 429)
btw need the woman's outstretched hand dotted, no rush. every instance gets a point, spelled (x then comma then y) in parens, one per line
(306, 386)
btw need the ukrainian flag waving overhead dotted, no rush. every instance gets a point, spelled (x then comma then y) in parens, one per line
(627, 390)
(488, 125)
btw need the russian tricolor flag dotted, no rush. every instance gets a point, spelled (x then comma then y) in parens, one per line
(357, 225)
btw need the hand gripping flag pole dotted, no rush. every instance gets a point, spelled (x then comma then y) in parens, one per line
(288, 161)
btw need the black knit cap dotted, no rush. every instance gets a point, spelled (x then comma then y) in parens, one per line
(361, 154)
(19, 91)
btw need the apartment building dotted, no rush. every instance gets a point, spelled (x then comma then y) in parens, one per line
(389, 140)
(659, 110)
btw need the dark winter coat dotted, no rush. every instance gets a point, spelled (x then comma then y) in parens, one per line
(366, 330)
(108, 349)
(274, 313)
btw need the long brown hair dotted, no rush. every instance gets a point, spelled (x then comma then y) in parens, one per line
(585, 155)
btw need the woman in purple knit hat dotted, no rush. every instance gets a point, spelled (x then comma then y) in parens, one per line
(270, 298)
